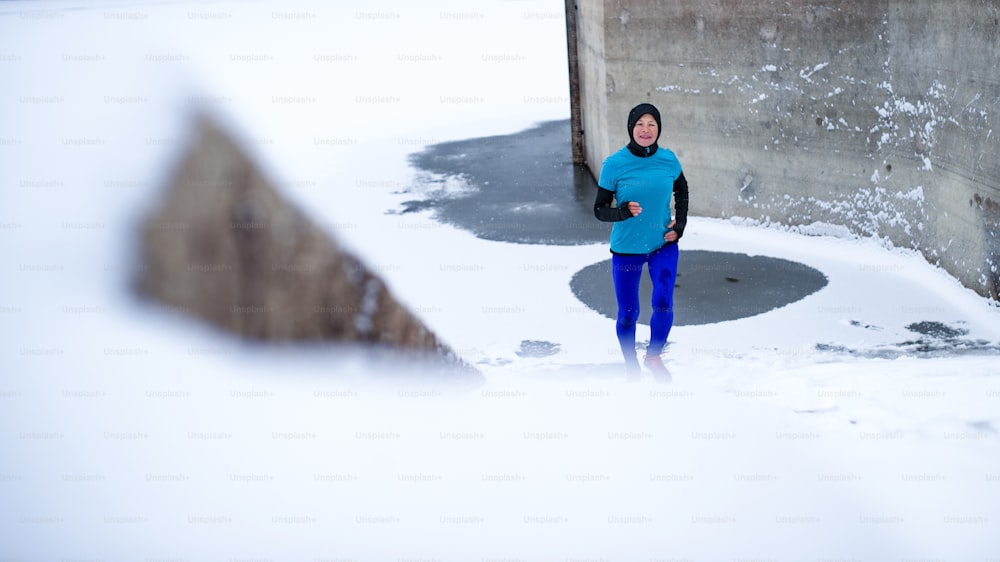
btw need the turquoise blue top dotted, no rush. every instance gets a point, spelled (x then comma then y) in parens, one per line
(649, 181)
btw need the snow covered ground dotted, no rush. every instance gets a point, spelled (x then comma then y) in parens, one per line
(824, 430)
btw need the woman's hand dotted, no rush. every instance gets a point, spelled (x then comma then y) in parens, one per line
(634, 208)
(671, 235)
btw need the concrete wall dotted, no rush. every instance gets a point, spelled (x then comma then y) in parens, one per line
(593, 95)
(880, 116)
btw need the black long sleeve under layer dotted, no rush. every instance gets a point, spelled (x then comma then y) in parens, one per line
(603, 209)
(605, 212)
(680, 204)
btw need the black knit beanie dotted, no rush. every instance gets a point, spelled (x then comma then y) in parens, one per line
(633, 116)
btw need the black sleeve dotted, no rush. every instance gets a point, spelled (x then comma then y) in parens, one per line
(605, 212)
(680, 204)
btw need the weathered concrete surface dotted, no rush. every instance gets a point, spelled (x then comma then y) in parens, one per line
(875, 115)
(224, 246)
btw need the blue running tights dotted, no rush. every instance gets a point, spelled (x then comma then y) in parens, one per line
(626, 271)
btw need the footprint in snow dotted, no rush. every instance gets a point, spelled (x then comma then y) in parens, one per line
(537, 348)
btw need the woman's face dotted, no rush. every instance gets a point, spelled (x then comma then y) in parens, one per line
(645, 131)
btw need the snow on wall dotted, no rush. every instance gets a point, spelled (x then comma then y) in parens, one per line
(877, 117)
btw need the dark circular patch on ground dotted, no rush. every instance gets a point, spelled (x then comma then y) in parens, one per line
(520, 188)
(711, 286)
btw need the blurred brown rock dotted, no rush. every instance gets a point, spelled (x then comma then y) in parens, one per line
(224, 245)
